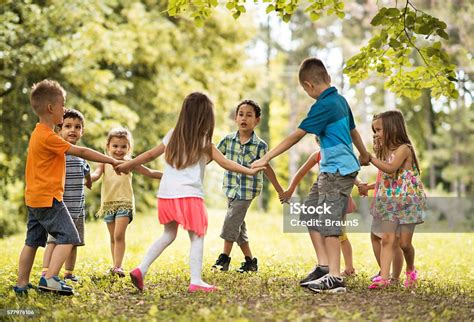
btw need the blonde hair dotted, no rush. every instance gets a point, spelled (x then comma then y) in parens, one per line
(394, 134)
(44, 93)
(121, 133)
(192, 135)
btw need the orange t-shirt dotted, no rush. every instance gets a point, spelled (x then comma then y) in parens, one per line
(45, 167)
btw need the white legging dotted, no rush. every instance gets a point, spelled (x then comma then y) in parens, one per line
(168, 236)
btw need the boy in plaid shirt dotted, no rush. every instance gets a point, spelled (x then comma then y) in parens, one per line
(243, 147)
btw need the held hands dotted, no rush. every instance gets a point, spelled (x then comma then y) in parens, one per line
(259, 163)
(254, 170)
(285, 196)
(363, 189)
(364, 159)
(122, 167)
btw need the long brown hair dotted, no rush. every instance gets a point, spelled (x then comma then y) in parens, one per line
(394, 134)
(192, 135)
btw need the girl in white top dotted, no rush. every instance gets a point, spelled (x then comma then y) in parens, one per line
(188, 149)
(117, 204)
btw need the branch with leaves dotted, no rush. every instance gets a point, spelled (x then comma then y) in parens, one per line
(404, 37)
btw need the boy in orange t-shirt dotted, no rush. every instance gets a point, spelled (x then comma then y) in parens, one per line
(45, 177)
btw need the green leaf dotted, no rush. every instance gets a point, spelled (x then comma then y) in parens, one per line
(394, 43)
(270, 8)
(442, 34)
(314, 16)
(286, 17)
(230, 5)
(425, 29)
(377, 20)
(393, 12)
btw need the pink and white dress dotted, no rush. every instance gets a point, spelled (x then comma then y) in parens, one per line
(181, 195)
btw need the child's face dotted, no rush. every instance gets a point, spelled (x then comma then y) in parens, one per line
(246, 119)
(57, 111)
(118, 148)
(377, 128)
(71, 130)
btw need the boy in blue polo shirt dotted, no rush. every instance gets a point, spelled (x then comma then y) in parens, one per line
(330, 118)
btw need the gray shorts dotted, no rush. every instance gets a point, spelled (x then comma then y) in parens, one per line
(79, 223)
(332, 191)
(234, 228)
(54, 220)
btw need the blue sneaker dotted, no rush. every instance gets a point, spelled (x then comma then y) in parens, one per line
(20, 291)
(56, 285)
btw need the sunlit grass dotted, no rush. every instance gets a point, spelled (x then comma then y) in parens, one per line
(443, 260)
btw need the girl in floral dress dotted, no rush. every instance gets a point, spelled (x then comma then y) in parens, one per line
(400, 199)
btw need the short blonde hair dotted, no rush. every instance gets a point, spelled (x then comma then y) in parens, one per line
(44, 93)
(312, 70)
(121, 133)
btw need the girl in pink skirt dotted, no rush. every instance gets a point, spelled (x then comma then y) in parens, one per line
(188, 149)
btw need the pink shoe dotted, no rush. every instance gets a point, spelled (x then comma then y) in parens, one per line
(379, 283)
(137, 278)
(411, 279)
(195, 288)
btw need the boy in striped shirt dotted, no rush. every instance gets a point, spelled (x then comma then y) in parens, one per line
(77, 171)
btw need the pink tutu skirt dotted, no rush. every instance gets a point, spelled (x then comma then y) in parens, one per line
(189, 212)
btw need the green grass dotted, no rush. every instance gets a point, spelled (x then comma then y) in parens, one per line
(443, 260)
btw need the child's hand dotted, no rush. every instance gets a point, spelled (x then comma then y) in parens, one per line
(88, 182)
(285, 196)
(364, 159)
(259, 163)
(363, 189)
(122, 167)
(254, 171)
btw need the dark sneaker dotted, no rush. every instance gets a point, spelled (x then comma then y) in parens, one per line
(315, 275)
(71, 277)
(55, 284)
(20, 291)
(328, 284)
(222, 263)
(250, 265)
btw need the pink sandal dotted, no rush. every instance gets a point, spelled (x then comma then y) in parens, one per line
(195, 288)
(379, 283)
(411, 279)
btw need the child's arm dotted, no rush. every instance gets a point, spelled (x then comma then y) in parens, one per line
(270, 173)
(91, 155)
(145, 157)
(400, 155)
(284, 145)
(357, 140)
(311, 162)
(231, 165)
(97, 173)
(88, 181)
(155, 174)
(364, 188)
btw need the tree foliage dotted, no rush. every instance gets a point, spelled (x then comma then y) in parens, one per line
(398, 34)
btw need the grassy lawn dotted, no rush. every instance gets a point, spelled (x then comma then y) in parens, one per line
(445, 263)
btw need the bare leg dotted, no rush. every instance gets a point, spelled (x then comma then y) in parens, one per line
(376, 247)
(346, 249)
(386, 254)
(27, 257)
(111, 228)
(397, 264)
(121, 224)
(245, 247)
(60, 253)
(47, 255)
(406, 245)
(228, 247)
(319, 247)
(71, 260)
(333, 249)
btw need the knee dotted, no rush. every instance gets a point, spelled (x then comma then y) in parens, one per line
(170, 237)
(119, 238)
(405, 246)
(387, 240)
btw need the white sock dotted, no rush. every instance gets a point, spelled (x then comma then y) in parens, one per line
(195, 259)
(155, 250)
